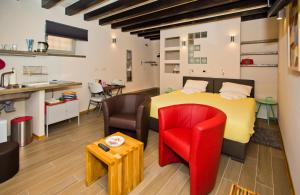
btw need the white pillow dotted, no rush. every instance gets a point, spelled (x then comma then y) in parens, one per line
(234, 87)
(190, 90)
(198, 86)
(232, 95)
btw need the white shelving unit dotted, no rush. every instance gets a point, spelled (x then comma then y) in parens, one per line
(258, 50)
(172, 55)
(60, 112)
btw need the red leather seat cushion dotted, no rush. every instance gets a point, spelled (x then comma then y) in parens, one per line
(179, 139)
(123, 121)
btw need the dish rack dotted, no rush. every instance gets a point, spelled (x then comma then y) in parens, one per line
(35, 74)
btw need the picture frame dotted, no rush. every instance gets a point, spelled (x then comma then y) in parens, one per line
(293, 36)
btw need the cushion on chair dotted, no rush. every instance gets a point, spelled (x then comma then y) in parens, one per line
(124, 121)
(179, 140)
(97, 99)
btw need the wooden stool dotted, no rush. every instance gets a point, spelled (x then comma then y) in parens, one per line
(267, 102)
(237, 190)
(125, 164)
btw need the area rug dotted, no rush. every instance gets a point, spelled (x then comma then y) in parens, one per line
(267, 136)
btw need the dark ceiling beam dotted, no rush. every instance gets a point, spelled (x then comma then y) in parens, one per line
(152, 35)
(154, 38)
(196, 14)
(200, 21)
(277, 5)
(138, 11)
(81, 5)
(148, 33)
(254, 17)
(47, 4)
(174, 11)
(149, 37)
(112, 7)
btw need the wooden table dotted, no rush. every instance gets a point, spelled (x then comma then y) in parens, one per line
(109, 88)
(125, 165)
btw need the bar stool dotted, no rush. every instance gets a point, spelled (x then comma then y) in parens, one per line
(268, 102)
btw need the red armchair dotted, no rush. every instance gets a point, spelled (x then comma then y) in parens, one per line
(192, 133)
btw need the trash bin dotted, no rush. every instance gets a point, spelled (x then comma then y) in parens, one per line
(21, 130)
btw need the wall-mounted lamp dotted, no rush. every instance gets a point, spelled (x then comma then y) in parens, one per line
(281, 14)
(183, 43)
(114, 40)
(232, 38)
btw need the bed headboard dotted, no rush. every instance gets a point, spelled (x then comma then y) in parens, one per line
(215, 84)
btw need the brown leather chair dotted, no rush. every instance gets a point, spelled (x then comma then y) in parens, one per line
(128, 113)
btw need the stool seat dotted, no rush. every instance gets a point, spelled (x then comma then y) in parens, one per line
(9, 160)
(268, 102)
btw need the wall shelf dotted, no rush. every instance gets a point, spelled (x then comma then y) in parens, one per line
(259, 41)
(260, 53)
(259, 65)
(172, 42)
(34, 54)
(172, 48)
(172, 55)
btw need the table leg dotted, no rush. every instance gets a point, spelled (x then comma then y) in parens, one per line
(94, 168)
(118, 92)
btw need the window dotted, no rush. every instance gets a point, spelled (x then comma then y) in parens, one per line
(61, 44)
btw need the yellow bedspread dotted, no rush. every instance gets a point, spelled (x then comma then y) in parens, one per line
(240, 113)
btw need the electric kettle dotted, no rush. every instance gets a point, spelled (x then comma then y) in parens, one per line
(42, 46)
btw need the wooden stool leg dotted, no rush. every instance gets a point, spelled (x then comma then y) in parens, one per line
(115, 179)
(94, 169)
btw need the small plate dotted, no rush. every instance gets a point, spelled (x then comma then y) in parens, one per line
(114, 141)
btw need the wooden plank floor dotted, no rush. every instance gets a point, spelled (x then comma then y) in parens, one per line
(56, 166)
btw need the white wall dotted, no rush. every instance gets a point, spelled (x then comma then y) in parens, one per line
(289, 106)
(265, 77)
(221, 54)
(26, 19)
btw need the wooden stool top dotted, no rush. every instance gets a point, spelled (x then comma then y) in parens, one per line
(115, 153)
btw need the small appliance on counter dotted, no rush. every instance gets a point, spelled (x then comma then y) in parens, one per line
(42, 47)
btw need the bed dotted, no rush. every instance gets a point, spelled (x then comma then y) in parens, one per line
(240, 113)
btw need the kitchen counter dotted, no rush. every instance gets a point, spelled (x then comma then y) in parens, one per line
(39, 87)
(34, 97)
